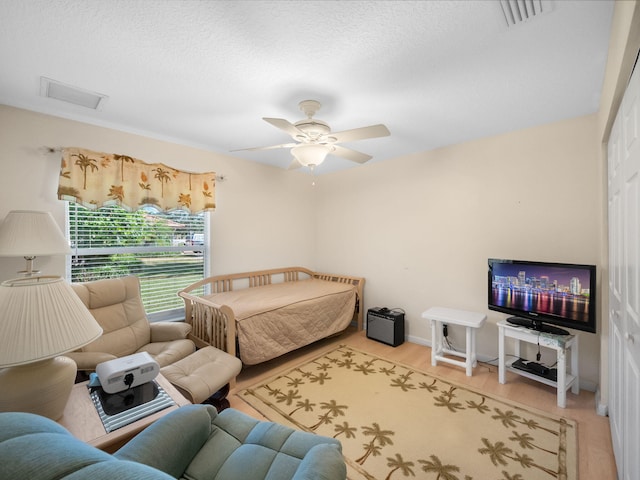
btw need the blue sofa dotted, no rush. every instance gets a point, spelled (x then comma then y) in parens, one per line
(193, 442)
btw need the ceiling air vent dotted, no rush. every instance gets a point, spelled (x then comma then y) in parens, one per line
(519, 11)
(53, 89)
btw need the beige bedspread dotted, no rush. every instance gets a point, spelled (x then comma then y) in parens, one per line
(278, 318)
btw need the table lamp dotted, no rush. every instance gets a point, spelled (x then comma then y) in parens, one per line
(42, 318)
(28, 234)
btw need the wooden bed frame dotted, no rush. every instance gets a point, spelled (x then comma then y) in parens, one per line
(215, 325)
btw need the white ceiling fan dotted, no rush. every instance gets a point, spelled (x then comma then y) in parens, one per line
(314, 139)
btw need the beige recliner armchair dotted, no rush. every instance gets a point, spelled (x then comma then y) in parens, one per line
(117, 306)
(115, 303)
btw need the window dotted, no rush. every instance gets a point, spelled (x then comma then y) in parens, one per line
(166, 250)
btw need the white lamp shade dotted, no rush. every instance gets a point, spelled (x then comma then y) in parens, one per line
(310, 154)
(26, 233)
(42, 317)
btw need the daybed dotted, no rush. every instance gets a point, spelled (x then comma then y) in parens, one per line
(271, 312)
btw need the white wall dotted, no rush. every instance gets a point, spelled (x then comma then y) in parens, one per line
(262, 218)
(420, 228)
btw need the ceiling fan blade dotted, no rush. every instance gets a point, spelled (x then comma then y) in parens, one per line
(350, 154)
(286, 126)
(271, 147)
(373, 131)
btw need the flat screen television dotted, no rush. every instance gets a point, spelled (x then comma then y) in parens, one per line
(543, 295)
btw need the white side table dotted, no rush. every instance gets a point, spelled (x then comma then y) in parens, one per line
(471, 320)
(559, 343)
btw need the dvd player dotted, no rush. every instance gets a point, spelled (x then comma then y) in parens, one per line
(536, 369)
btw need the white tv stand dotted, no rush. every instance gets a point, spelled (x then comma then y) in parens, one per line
(559, 343)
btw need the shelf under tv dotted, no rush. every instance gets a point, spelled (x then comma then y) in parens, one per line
(562, 344)
(570, 379)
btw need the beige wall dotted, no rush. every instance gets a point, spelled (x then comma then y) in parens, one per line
(420, 228)
(262, 220)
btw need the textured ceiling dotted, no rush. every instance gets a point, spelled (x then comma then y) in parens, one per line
(204, 73)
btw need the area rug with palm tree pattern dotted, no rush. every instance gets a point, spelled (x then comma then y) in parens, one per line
(395, 421)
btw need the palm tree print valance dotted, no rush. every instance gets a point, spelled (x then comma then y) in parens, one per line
(95, 179)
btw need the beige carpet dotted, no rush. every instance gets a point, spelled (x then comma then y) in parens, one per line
(395, 422)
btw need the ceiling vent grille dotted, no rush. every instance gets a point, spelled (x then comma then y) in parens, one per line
(53, 89)
(519, 11)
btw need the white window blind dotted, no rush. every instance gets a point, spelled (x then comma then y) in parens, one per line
(165, 250)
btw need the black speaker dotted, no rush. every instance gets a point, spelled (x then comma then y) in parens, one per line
(385, 326)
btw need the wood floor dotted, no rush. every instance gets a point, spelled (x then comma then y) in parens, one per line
(595, 452)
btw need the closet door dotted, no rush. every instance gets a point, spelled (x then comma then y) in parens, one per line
(624, 282)
(631, 310)
(616, 351)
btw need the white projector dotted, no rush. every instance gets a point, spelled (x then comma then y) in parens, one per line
(127, 372)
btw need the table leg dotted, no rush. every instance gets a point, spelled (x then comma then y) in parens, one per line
(575, 388)
(501, 366)
(434, 341)
(469, 361)
(562, 378)
(474, 347)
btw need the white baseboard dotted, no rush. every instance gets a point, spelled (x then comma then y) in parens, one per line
(418, 340)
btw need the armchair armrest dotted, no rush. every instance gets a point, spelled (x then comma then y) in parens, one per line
(171, 443)
(87, 361)
(168, 331)
(322, 462)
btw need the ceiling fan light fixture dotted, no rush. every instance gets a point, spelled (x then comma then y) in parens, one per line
(311, 154)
